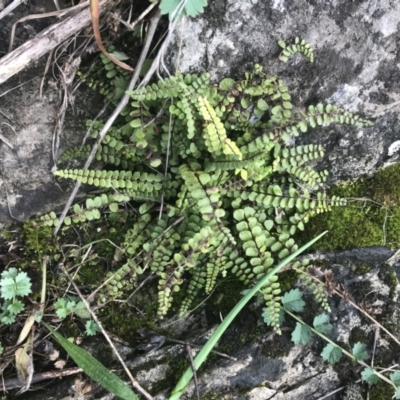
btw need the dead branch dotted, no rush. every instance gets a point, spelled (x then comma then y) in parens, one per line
(44, 42)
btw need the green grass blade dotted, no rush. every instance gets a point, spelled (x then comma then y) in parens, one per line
(187, 376)
(92, 367)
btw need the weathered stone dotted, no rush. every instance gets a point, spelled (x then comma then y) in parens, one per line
(356, 66)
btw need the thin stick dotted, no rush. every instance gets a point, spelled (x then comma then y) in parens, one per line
(46, 40)
(196, 383)
(141, 16)
(135, 384)
(46, 69)
(201, 345)
(10, 8)
(121, 105)
(16, 383)
(27, 18)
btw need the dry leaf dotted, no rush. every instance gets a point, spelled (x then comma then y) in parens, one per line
(24, 365)
(60, 364)
(54, 355)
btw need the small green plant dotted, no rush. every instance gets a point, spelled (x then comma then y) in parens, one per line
(218, 183)
(299, 46)
(70, 305)
(13, 285)
(179, 8)
(292, 302)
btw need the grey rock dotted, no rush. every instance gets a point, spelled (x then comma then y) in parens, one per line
(355, 66)
(270, 366)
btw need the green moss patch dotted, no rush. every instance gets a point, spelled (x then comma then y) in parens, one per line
(371, 220)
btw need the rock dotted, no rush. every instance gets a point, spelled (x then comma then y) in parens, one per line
(27, 121)
(268, 365)
(355, 67)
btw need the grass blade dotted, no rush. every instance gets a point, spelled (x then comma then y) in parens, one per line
(200, 358)
(92, 367)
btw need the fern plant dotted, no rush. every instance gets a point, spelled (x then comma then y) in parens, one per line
(221, 187)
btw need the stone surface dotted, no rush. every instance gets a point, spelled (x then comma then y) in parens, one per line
(356, 66)
(27, 122)
(27, 185)
(270, 366)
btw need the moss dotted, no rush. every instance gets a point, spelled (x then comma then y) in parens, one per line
(365, 222)
(362, 269)
(287, 280)
(224, 297)
(124, 320)
(381, 391)
(358, 335)
(38, 242)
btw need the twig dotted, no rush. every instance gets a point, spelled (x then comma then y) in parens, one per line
(5, 140)
(16, 87)
(46, 40)
(8, 202)
(121, 105)
(17, 383)
(99, 114)
(38, 16)
(46, 69)
(196, 383)
(141, 16)
(199, 346)
(328, 395)
(10, 8)
(135, 384)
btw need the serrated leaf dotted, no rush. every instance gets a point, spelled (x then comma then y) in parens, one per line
(292, 301)
(174, 9)
(12, 287)
(92, 367)
(360, 352)
(91, 328)
(195, 7)
(321, 324)
(81, 311)
(119, 55)
(10, 273)
(301, 334)
(331, 353)
(15, 307)
(368, 375)
(7, 319)
(395, 378)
